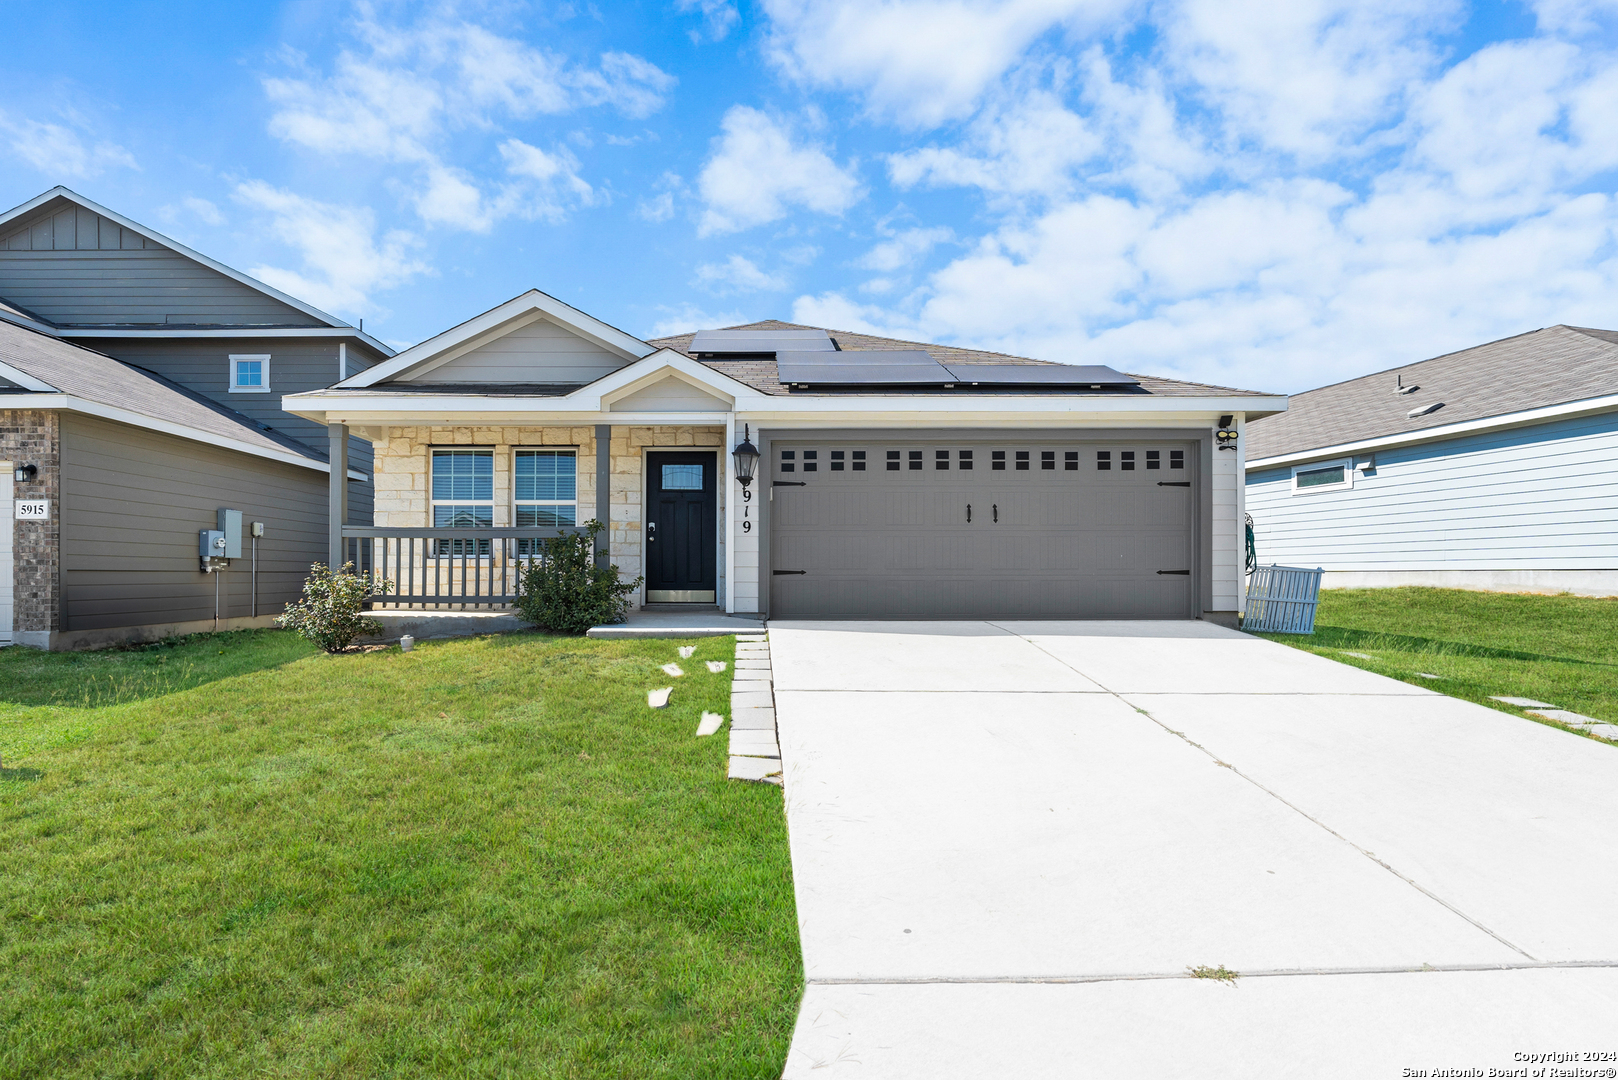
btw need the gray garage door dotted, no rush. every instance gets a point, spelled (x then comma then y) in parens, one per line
(979, 527)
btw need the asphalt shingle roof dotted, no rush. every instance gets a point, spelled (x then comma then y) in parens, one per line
(1553, 366)
(760, 374)
(97, 377)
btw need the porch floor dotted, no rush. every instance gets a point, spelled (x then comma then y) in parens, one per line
(696, 621)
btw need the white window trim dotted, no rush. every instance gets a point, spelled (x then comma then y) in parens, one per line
(234, 388)
(433, 504)
(573, 502)
(1347, 465)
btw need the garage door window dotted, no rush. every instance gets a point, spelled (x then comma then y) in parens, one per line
(1047, 459)
(915, 461)
(966, 460)
(1153, 460)
(1126, 460)
(893, 461)
(941, 460)
(997, 460)
(1103, 461)
(1070, 461)
(1176, 459)
(1022, 461)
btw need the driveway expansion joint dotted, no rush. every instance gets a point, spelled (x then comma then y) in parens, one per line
(1288, 804)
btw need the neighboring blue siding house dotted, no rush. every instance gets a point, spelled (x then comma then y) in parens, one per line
(1491, 468)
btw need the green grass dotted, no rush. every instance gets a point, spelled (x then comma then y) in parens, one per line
(231, 856)
(1559, 649)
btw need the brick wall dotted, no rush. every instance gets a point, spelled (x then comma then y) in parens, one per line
(34, 437)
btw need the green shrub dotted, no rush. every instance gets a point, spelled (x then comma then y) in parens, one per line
(329, 613)
(564, 591)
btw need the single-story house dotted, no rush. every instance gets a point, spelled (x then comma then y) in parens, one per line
(1492, 468)
(140, 386)
(894, 478)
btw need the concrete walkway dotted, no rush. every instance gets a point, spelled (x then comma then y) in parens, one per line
(1011, 840)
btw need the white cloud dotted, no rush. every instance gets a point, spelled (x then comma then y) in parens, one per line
(1266, 197)
(205, 210)
(689, 317)
(718, 16)
(905, 248)
(404, 91)
(756, 174)
(737, 274)
(922, 62)
(61, 152)
(657, 208)
(344, 262)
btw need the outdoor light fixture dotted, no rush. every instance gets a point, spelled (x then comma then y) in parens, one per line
(25, 473)
(1226, 434)
(746, 457)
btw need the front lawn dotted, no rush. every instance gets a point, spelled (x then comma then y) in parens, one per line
(235, 857)
(1558, 649)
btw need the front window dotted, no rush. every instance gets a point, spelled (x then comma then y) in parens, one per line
(249, 374)
(545, 488)
(463, 497)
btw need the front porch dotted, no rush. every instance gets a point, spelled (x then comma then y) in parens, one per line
(460, 509)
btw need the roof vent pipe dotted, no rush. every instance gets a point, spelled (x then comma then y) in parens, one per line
(1399, 386)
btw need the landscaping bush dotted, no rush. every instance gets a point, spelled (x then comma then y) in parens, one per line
(564, 591)
(329, 613)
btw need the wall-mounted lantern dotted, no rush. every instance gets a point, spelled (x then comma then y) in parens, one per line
(1225, 435)
(746, 457)
(25, 473)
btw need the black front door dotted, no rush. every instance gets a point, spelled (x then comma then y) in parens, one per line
(682, 520)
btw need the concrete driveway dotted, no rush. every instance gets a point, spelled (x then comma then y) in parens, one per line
(1011, 840)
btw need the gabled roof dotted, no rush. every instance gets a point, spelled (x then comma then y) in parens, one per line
(490, 325)
(50, 373)
(761, 373)
(66, 196)
(1554, 366)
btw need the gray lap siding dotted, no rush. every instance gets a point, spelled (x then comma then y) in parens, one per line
(132, 502)
(296, 365)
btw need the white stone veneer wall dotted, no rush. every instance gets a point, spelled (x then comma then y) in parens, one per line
(403, 498)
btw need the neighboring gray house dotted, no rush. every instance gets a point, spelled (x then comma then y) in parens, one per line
(1491, 468)
(142, 381)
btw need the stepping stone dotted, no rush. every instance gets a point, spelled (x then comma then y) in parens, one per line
(754, 744)
(753, 654)
(673, 670)
(752, 637)
(752, 719)
(749, 686)
(657, 699)
(711, 722)
(1563, 716)
(755, 768)
(687, 651)
(751, 663)
(1357, 655)
(1608, 732)
(1427, 675)
(716, 666)
(1524, 702)
(758, 701)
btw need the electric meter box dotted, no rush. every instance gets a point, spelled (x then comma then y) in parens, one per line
(230, 524)
(210, 544)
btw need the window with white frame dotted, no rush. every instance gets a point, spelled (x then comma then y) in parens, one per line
(250, 374)
(545, 492)
(1322, 476)
(463, 497)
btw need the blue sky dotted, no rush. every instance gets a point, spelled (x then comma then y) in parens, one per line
(1253, 194)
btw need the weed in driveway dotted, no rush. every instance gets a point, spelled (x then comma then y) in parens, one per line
(1220, 974)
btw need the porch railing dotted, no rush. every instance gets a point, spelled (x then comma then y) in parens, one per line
(446, 567)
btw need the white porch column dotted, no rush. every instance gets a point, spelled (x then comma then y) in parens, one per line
(733, 496)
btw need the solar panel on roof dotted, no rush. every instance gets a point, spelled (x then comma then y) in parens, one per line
(759, 342)
(1039, 375)
(849, 368)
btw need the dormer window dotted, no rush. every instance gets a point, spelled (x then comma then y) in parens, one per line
(250, 374)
